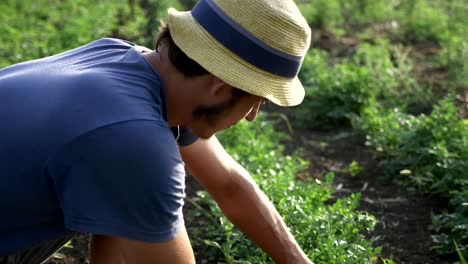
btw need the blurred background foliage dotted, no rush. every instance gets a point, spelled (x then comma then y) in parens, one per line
(394, 71)
(32, 29)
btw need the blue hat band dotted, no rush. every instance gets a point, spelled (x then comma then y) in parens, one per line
(242, 43)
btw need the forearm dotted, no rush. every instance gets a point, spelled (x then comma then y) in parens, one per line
(249, 209)
(241, 200)
(105, 249)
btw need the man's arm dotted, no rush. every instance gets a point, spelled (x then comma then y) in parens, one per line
(106, 249)
(241, 200)
(134, 195)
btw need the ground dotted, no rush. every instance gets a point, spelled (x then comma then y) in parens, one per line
(403, 218)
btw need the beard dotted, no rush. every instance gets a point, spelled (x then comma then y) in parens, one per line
(207, 117)
(212, 113)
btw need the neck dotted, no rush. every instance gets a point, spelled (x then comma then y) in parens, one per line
(179, 100)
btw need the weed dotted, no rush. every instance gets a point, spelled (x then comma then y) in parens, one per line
(387, 261)
(353, 169)
(462, 259)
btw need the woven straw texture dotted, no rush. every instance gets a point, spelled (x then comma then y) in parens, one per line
(277, 23)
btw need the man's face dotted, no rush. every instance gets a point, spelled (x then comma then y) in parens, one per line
(209, 119)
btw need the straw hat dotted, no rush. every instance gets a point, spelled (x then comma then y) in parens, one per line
(254, 45)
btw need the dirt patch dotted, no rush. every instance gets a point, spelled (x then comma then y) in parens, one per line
(403, 218)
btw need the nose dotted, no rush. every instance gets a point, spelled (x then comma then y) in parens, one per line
(253, 112)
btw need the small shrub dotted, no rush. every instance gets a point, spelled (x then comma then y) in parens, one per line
(376, 72)
(323, 14)
(368, 11)
(392, 69)
(342, 91)
(453, 57)
(315, 69)
(432, 151)
(419, 21)
(353, 169)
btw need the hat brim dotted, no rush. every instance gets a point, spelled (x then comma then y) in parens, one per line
(200, 46)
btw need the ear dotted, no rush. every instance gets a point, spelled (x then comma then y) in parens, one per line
(218, 88)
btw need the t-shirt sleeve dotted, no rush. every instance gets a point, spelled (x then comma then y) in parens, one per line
(124, 180)
(184, 135)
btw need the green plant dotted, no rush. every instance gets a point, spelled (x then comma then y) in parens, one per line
(367, 11)
(342, 91)
(421, 21)
(327, 233)
(376, 72)
(453, 57)
(315, 69)
(377, 58)
(323, 14)
(353, 169)
(387, 261)
(392, 69)
(156, 12)
(50, 27)
(432, 151)
(337, 16)
(133, 24)
(462, 259)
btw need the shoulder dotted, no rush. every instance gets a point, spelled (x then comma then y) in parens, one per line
(112, 41)
(103, 43)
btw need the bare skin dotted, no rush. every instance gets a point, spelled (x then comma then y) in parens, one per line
(104, 249)
(229, 184)
(241, 200)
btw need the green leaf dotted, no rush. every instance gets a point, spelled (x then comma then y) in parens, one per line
(462, 259)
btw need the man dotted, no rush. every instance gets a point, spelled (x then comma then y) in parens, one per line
(86, 142)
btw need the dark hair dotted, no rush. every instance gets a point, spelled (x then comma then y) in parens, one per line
(178, 58)
(181, 61)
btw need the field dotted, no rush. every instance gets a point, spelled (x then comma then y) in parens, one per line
(371, 168)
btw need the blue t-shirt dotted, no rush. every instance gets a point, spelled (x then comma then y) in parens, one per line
(85, 147)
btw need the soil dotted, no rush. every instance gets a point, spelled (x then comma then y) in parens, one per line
(403, 218)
